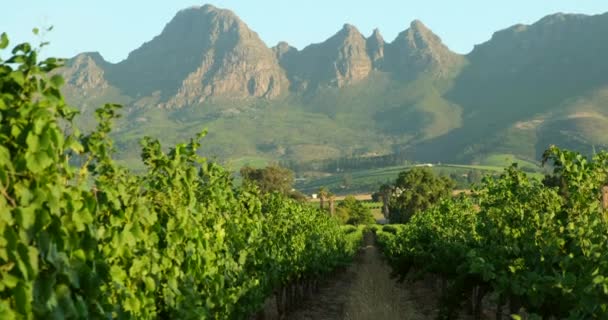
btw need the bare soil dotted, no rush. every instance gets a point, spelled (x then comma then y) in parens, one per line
(365, 290)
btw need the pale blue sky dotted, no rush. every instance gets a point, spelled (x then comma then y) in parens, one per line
(114, 27)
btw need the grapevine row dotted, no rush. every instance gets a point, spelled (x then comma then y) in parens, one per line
(81, 237)
(534, 246)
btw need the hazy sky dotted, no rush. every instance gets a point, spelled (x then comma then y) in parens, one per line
(116, 27)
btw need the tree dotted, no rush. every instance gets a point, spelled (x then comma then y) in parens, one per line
(377, 196)
(354, 212)
(415, 191)
(332, 199)
(567, 161)
(273, 178)
(383, 195)
(385, 191)
(347, 180)
(474, 176)
(323, 193)
(298, 196)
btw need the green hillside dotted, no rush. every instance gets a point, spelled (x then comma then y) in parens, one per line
(355, 120)
(528, 87)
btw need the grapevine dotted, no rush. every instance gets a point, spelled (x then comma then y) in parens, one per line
(82, 237)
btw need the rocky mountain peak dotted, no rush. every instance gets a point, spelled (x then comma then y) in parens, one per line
(94, 56)
(206, 51)
(377, 35)
(208, 18)
(338, 61)
(208, 7)
(545, 82)
(417, 26)
(561, 17)
(86, 71)
(418, 36)
(348, 35)
(349, 28)
(194, 12)
(85, 77)
(283, 46)
(375, 48)
(284, 51)
(201, 53)
(418, 49)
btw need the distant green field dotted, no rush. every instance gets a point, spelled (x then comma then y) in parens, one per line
(255, 162)
(504, 160)
(368, 181)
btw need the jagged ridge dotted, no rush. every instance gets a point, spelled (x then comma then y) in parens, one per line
(204, 52)
(485, 102)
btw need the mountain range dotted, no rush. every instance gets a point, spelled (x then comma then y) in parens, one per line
(529, 86)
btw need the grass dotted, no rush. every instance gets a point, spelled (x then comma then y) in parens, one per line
(504, 160)
(373, 293)
(368, 181)
(474, 167)
(377, 213)
(251, 161)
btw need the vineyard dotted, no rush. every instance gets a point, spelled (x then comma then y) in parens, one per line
(527, 248)
(84, 238)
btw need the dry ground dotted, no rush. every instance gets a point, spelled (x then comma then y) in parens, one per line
(366, 291)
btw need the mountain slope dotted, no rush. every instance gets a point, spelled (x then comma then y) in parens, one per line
(417, 50)
(351, 95)
(523, 74)
(202, 52)
(338, 61)
(375, 49)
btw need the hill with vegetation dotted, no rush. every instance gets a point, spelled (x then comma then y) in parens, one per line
(528, 87)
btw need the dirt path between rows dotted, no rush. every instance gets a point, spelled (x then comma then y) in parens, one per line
(365, 290)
